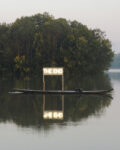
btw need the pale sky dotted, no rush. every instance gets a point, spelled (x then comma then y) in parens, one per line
(103, 14)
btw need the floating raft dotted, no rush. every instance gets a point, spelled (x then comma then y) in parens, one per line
(76, 91)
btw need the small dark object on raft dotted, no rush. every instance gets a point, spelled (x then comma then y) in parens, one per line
(76, 91)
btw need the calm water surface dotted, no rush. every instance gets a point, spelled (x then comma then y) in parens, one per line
(80, 122)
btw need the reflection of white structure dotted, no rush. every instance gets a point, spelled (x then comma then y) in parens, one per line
(53, 114)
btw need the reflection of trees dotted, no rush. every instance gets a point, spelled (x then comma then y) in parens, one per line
(85, 106)
(26, 110)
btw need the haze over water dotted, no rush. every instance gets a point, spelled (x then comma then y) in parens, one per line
(89, 122)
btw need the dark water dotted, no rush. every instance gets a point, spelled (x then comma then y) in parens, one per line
(60, 122)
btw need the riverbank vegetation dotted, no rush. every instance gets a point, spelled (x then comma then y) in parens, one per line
(30, 43)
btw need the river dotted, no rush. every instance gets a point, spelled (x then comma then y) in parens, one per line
(58, 122)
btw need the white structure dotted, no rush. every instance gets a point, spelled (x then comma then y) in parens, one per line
(53, 114)
(49, 71)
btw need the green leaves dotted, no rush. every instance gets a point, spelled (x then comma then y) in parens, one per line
(46, 41)
(20, 65)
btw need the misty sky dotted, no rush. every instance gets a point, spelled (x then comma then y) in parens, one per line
(103, 14)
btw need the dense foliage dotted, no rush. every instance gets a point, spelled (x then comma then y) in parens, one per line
(32, 42)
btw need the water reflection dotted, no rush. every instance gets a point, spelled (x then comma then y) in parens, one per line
(40, 112)
(114, 75)
(56, 113)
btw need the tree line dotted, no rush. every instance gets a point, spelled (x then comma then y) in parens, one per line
(31, 43)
